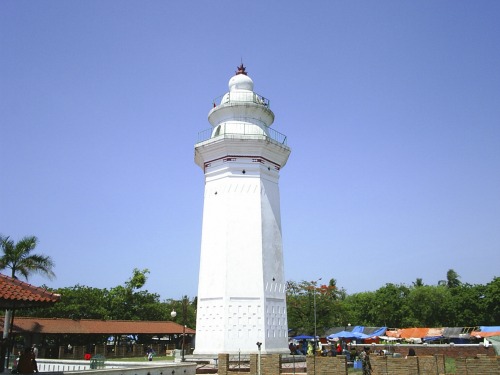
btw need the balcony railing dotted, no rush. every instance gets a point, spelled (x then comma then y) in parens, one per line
(245, 131)
(241, 97)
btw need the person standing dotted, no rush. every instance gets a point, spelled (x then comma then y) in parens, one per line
(27, 362)
(411, 353)
(339, 349)
(149, 353)
(353, 352)
(310, 348)
(35, 351)
(365, 361)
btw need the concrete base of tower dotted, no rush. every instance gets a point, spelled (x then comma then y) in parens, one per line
(207, 356)
(205, 344)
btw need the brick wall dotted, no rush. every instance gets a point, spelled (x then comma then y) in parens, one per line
(326, 365)
(482, 365)
(453, 351)
(410, 366)
(254, 364)
(271, 365)
(397, 366)
(223, 364)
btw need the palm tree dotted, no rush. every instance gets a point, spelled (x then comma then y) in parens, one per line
(418, 282)
(20, 259)
(452, 279)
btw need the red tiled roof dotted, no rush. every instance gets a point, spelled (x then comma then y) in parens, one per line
(91, 326)
(17, 294)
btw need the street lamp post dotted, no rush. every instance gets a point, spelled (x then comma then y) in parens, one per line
(315, 320)
(183, 342)
(259, 344)
(184, 315)
(173, 314)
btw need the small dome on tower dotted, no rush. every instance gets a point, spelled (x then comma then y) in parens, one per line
(240, 81)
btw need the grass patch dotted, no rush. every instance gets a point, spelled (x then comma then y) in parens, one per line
(449, 363)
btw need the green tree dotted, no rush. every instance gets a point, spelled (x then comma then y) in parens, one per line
(123, 302)
(306, 298)
(358, 307)
(468, 306)
(126, 302)
(78, 302)
(138, 279)
(388, 308)
(19, 258)
(418, 282)
(298, 308)
(427, 306)
(185, 309)
(330, 308)
(491, 302)
(452, 279)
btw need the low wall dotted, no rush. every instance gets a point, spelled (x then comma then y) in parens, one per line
(410, 365)
(49, 366)
(270, 364)
(327, 365)
(448, 350)
(109, 351)
(477, 366)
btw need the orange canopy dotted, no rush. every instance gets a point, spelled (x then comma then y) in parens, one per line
(480, 334)
(407, 333)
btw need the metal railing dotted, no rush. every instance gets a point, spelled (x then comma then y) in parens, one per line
(237, 362)
(248, 132)
(241, 97)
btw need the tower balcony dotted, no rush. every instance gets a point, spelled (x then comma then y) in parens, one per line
(241, 131)
(242, 105)
(241, 96)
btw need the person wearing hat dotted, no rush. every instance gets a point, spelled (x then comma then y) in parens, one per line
(367, 366)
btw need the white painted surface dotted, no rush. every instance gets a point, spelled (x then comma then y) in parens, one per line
(114, 367)
(241, 292)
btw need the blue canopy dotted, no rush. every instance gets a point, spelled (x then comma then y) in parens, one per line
(347, 335)
(303, 337)
(377, 332)
(433, 338)
(489, 328)
(358, 332)
(370, 331)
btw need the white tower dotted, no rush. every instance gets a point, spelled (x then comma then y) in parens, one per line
(241, 290)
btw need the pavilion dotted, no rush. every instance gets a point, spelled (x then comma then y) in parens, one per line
(15, 294)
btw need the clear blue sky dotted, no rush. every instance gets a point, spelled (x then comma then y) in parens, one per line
(391, 108)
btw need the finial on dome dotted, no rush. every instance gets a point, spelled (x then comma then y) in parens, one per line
(241, 70)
